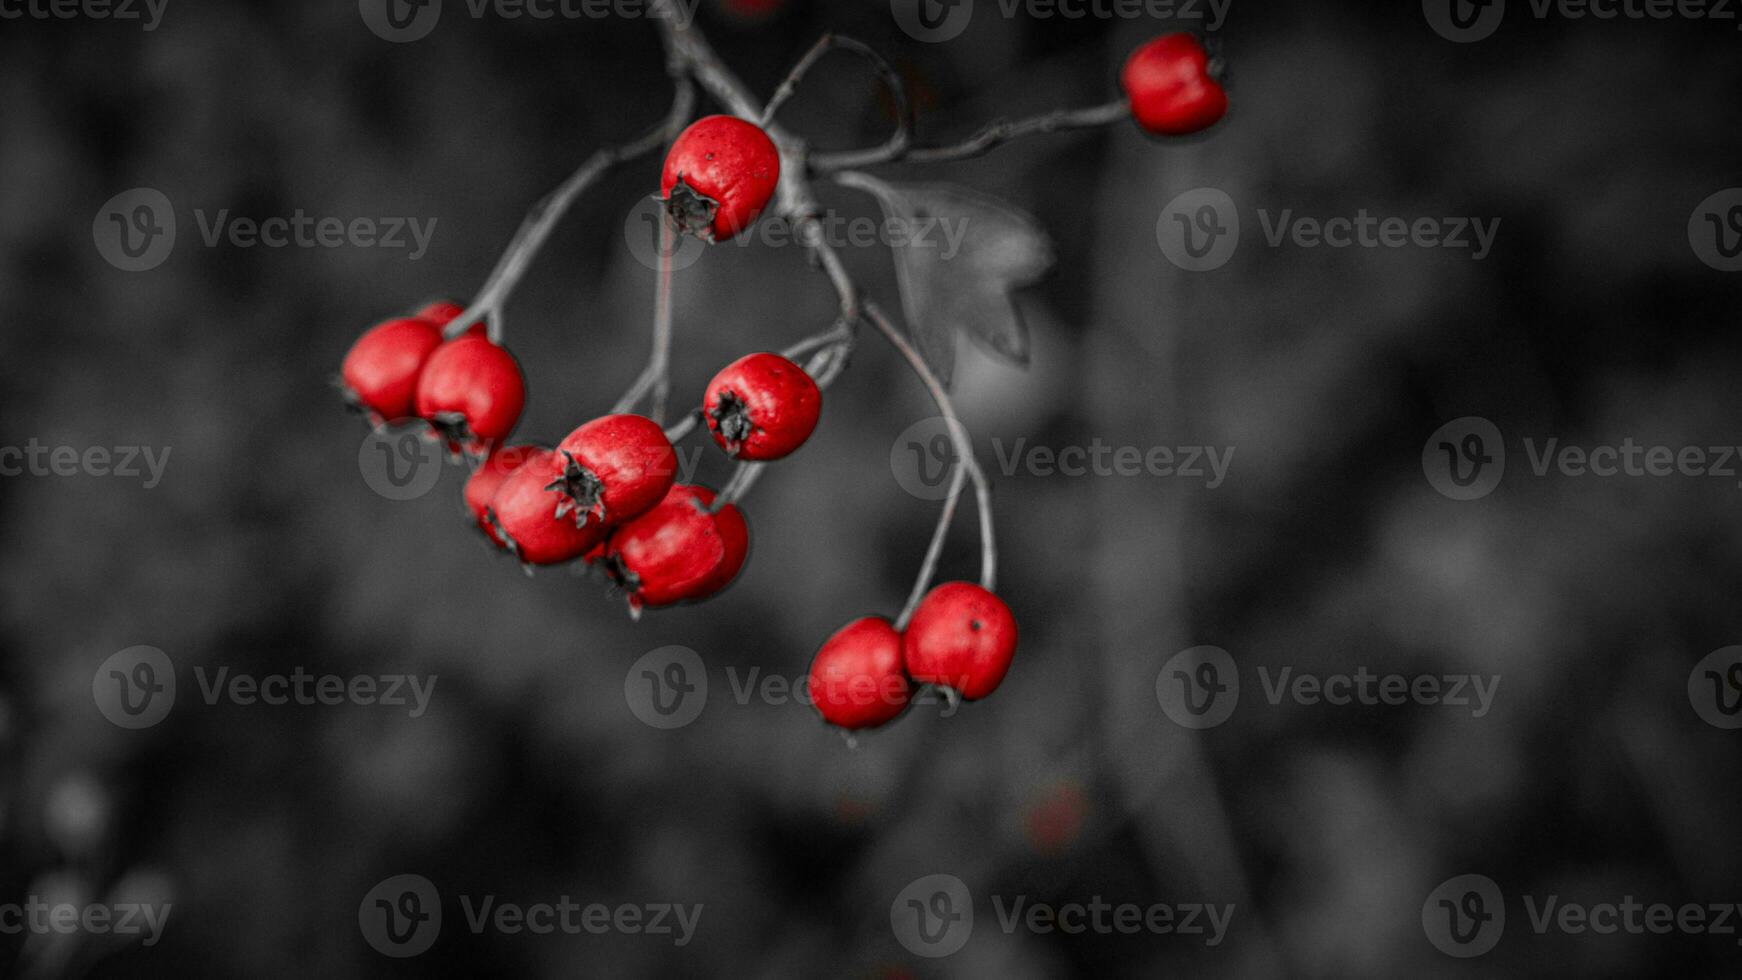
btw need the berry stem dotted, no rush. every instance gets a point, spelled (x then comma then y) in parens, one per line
(901, 139)
(994, 135)
(654, 382)
(536, 228)
(964, 452)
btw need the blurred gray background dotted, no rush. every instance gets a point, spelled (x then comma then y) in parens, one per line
(263, 548)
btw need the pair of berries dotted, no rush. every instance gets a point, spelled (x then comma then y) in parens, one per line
(607, 494)
(1174, 86)
(961, 637)
(468, 389)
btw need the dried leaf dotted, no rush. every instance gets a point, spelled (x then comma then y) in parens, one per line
(960, 256)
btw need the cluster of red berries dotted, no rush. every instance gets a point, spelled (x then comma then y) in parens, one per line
(607, 494)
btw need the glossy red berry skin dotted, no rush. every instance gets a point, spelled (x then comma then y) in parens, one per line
(482, 485)
(381, 370)
(524, 514)
(857, 679)
(678, 551)
(960, 637)
(472, 391)
(720, 174)
(1171, 88)
(615, 468)
(762, 407)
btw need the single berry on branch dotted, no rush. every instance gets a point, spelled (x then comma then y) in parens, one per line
(1173, 86)
(524, 516)
(680, 551)
(762, 407)
(961, 637)
(613, 469)
(472, 392)
(857, 679)
(380, 372)
(719, 175)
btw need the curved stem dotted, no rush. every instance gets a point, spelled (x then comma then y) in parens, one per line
(964, 452)
(535, 230)
(994, 135)
(898, 141)
(654, 382)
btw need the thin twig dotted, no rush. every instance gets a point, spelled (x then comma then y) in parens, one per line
(542, 219)
(898, 141)
(994, 135)
(654, 382)
(964, 453)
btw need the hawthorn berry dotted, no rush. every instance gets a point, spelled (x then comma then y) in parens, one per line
(762, 407)
(482, 485)
(961, 637)
(720, 174)
(680, 551)
(472, 392)
(614, 468)
(1173, 87)
(523, 513)
(857, 679)
(380, 372)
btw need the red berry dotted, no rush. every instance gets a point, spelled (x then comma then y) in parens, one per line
(1172, 88)
(679, 551)
(857, 680)
(472, 391)
(960, 637)
(525, 515)
(381, 370)
(762, 407)
(482, 485)
(444, 311)
(615, 468)
(720, 174)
